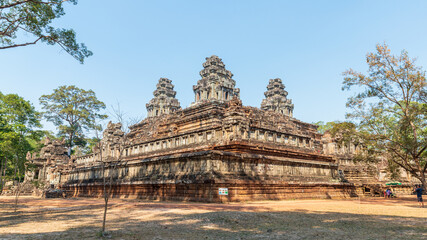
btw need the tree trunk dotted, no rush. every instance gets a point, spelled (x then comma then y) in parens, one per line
(4, 171)
(16, 197)
(18, 190)
(15, 165)
(105, 197)
(70, 146)
(1, 176)
(111, 168)
(105, 214)
(423, 180)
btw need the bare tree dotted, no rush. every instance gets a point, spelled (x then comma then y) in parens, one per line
(122, 117)
(19, 185)
(18, 188)
(111, 163)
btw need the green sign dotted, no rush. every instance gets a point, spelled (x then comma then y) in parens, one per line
(393, 183)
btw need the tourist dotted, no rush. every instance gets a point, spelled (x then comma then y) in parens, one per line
(388, 192)
(419, 190)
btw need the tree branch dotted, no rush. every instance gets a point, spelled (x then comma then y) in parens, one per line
(30, 1)
(23, 44)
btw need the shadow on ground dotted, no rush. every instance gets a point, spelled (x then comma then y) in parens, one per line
(238, 225)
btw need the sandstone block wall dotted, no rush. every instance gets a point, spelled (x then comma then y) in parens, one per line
(239, 191)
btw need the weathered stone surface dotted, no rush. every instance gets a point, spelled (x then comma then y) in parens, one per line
(276, 98)
(164, 101)
(368, 177)
(112, 134)
(54, 152)
(214, 142)
(51, 160)
(187, 154)
(216, 82)
(208, 192)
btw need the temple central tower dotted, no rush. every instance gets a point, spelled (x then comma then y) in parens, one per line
(216, 82)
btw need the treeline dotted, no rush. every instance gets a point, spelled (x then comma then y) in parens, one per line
(72, 110)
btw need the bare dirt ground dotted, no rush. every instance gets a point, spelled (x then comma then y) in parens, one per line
(80, 218)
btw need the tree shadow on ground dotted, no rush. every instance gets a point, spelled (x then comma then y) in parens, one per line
(26, 214)
(299, 224)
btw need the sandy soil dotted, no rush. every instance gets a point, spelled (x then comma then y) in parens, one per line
(80, 218)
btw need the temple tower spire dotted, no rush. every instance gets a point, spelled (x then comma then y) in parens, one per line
(216, 82)
(164, 101)
(275, 98)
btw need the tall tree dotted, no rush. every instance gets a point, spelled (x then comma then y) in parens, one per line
(392, 107)
(72, 110)
(34, 17)
(18, 120)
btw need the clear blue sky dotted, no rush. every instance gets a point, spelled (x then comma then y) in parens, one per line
(306, 43)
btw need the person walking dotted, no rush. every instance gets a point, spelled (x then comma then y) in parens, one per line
(387, 192)
(419, 191)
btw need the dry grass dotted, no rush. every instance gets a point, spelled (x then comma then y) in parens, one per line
(132, 219)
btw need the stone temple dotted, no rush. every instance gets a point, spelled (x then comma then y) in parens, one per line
(217, 142)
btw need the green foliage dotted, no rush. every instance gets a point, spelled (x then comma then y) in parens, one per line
(344, 132)
(18, 113)
(91, 143)
(18, 118)
(340, 131)
(393, 170)
(324, 127)
(73, 110)
(391, 109)
(35, 18)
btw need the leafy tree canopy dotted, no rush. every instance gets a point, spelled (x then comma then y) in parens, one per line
(72, 110)
(18, 120)
(341, 131)
(323, 127)
(391, 108)
(34, 17)
(18, 113)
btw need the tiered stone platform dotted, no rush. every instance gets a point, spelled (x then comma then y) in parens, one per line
(188, 154)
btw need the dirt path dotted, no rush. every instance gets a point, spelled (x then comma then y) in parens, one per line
(80, 218)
